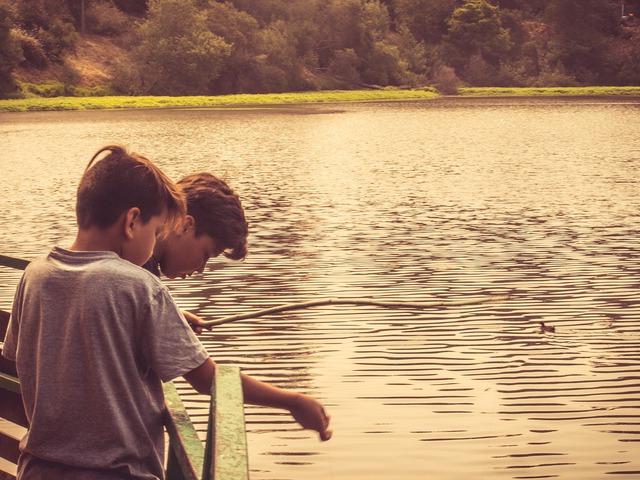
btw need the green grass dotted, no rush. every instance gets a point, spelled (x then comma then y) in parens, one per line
(548, 91)
(337, 96)
(111, 102)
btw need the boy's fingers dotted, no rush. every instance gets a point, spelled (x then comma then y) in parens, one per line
(325, 434)
(195, 327)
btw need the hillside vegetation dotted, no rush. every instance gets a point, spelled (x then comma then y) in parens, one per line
(208, 47)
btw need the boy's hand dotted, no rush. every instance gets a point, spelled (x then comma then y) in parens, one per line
(306, 410)
(310, 413)
(196, 323)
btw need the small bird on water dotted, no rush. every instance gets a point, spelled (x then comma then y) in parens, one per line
(547, 328)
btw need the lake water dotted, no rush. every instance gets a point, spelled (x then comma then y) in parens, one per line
(451, 199)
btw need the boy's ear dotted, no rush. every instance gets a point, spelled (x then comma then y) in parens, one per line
(189, 222)
(131, 219)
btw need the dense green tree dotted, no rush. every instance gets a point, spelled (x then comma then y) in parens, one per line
(346, 66)
(576, 40)
(226, 46)
(529, 7)
(239, 30)
(414, 54)
(475, 28)
(264, 57)
(382, 60)
(133, 7)
(266, 11)
(178, 54)
(10, 54)
(357, 40)
(340, 21)
(425, 19)
(50, 23)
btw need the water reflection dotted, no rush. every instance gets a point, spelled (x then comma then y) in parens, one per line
(412, 201)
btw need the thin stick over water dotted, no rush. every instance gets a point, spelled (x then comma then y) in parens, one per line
(346, 301)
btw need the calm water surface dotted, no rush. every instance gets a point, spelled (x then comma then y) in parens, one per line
(421, 201)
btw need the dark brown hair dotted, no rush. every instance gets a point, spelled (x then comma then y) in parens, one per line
(217, 212)
(122, 180)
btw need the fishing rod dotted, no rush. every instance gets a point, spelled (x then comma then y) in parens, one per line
(21, 264)
(346, 301)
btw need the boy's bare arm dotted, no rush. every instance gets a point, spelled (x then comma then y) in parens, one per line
(307, 411)
(201, 378)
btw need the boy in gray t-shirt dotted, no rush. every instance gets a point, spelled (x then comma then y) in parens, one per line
(93, 336)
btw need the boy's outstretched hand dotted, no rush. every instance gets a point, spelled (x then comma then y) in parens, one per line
(307, 411)
(310, 413)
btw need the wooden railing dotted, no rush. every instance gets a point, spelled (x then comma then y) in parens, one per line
(223, 457)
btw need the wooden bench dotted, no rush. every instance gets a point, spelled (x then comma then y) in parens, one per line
(223, 457)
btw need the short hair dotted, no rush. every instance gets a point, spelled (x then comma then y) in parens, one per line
(217, 212)
(122, 180)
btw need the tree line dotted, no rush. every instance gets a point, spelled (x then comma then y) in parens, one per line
(202, 47)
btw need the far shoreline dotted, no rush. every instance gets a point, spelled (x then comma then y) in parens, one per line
(316, 97)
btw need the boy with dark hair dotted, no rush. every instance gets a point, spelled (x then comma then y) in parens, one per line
(94, 336)
(215, 225)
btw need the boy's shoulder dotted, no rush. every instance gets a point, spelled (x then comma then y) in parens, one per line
(104, 265)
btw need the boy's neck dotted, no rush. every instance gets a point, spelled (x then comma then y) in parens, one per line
(158, 249)
(95, 239)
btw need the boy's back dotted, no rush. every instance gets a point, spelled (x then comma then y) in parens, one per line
(95, 334)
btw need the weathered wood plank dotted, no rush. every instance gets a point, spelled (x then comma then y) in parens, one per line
(12, 421)
(12, 262)
(186, 453)
(9, 383)
(226, 455)
(10, 436)
(8, 470)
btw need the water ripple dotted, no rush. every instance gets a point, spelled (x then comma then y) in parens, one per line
(420, 201)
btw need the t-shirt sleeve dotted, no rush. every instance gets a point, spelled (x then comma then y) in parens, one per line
(168, 343)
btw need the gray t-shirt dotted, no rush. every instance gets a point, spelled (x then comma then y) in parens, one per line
(94, 337)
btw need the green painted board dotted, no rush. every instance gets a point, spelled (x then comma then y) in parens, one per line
(226, 450)
(186, 456)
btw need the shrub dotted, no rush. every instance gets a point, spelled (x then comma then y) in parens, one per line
(345, 65)
(33, 54)
(479, 72)
(383, 65)
(47, 90)
(104, 18)
(446, 81)
(97, 91)
(556, 77)
(60, 37)
(127, 79)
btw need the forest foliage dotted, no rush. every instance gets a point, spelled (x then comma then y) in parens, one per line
(209, 47)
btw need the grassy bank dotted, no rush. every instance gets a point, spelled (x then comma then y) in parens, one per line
(550, 91)
(82, 103)
(86, 103)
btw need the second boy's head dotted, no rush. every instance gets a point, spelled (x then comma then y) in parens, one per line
(124, 201)
(215, 224)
